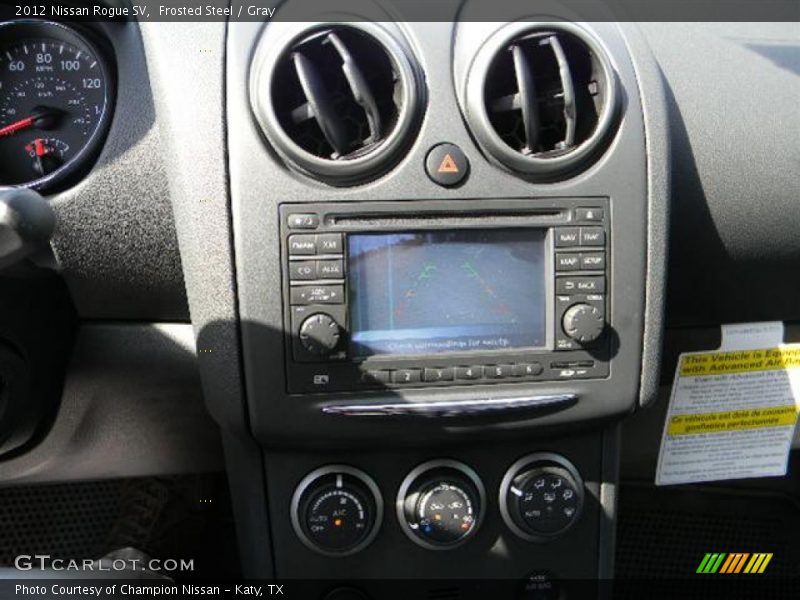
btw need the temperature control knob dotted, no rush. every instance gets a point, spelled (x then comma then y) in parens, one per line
(583, 322)
(336, 510)
(541, 496)
(440, 504)
(319, 334)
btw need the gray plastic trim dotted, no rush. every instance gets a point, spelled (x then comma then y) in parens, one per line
(659, 190)
(107, 427)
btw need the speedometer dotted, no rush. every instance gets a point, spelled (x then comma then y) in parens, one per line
(56, 94)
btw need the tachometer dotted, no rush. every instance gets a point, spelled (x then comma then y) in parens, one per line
(56, 94)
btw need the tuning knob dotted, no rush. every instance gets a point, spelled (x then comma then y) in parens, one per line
(319, 334)
(583, 323)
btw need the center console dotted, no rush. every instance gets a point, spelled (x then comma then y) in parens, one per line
(455, 294)
(447, 295)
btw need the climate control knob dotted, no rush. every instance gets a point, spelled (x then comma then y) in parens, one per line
(319, 334)
(541, 496)
(583, 323)
(336, 510)
(441, 504)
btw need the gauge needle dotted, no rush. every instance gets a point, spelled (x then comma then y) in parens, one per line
(18, 126)
(43, 119)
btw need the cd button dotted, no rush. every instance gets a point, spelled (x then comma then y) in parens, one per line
(498, 371)
(407, 376)
(432, 375)
(567, 236)
(567, 261)
(593, 236)
(330, 269)
(330, 243)
(302, 244)
(469, 373)
(528, 369)
(303, 221)
(302, 269)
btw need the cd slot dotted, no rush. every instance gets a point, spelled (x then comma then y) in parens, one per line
(436, 220)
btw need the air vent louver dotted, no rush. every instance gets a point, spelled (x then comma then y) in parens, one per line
(339, 102)
(541, 98)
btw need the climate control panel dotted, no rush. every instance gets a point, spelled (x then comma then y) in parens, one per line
(440, 505)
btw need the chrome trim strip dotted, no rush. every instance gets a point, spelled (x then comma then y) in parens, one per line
(456, 408)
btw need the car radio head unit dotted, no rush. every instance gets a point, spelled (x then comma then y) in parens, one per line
(440, 293)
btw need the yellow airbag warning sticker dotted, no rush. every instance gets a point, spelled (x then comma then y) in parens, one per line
(732, 412)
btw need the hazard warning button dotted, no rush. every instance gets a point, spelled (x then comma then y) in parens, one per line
(446, 164)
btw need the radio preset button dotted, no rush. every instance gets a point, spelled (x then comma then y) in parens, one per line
(469, 373)
(330, 269)
(303, 244)
(376, 376)
(593, 261)
(528, 369)
(303, 221)
(436, 374)
(588, 214)
(580, 285)
(407, 376)
(567, 236)
(318, 294)
(593, 236)
(330, 243)
(568, 261)
(302, 269)
(498, 371)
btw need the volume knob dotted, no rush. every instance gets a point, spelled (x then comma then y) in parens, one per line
(583, 323)
(319, 334)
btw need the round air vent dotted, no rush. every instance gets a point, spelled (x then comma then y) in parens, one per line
(541, 98)
(339, 101)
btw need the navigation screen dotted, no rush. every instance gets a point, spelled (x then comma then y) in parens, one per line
(446, 291)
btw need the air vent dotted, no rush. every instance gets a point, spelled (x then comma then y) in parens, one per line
(340, 102)
(541, 98)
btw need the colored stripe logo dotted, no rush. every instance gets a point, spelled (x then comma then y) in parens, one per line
(733, 563)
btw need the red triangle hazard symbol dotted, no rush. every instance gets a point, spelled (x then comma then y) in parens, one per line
(448, 165)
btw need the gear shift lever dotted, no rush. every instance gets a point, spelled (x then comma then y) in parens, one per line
(26, 224)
